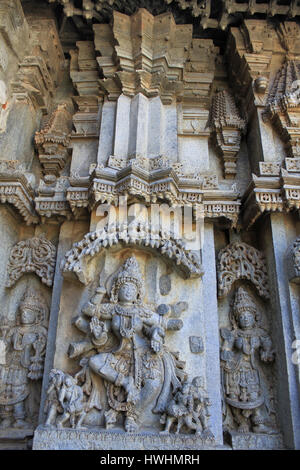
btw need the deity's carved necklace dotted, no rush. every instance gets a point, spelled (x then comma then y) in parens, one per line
(127, 320)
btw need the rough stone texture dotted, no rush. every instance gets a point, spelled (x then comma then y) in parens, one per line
(153, 340)
(69, 439)
(196, 344)
(250, 441)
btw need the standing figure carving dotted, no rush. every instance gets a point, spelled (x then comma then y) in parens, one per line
(244, 346)
(126, 338)
(25, 347)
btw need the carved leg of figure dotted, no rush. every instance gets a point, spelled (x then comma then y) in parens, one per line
(63, 419)
(72, 420)
(259, 422)
(19, 415)
(51, 418)
(147, 396)
(6, 417)
(206, 434)
(188, 420)
(100, 365)
(128, 384)
(131, 422)
(80, 420)
(170, 421)
(180, 422)
(110, 418)
(241, 420)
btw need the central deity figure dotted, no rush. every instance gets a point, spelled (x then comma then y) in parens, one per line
(138, 370)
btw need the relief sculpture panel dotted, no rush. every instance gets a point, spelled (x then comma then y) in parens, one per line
(125, 368)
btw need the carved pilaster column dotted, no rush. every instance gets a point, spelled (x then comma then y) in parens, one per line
(211, 321)
(277, 238)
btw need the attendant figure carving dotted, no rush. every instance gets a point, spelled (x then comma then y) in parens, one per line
(25, 350)
(243, 348)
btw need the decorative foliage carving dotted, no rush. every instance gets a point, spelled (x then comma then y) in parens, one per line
(243, 388)
(36, 255)
(228, 127)
(25, 348)
(241, 261)
(53, 140)
(75, 260)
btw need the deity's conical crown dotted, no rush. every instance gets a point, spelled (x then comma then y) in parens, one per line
(129, 272)
(243, 302)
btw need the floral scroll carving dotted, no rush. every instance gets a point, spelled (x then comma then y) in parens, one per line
(187, 263)
(241, 261)
(36, 255)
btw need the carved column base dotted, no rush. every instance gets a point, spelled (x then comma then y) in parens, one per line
(254, 441)
(93, 439)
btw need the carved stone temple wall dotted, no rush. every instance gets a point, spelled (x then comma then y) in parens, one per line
(149, 224)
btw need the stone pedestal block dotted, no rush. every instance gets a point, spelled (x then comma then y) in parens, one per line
(247, 441)
(92, 439)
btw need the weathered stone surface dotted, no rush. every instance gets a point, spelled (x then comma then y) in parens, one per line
(248, 441)
(160, 164)
(16, 439)
(68, 439)
(196, 344)
(165, 284)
